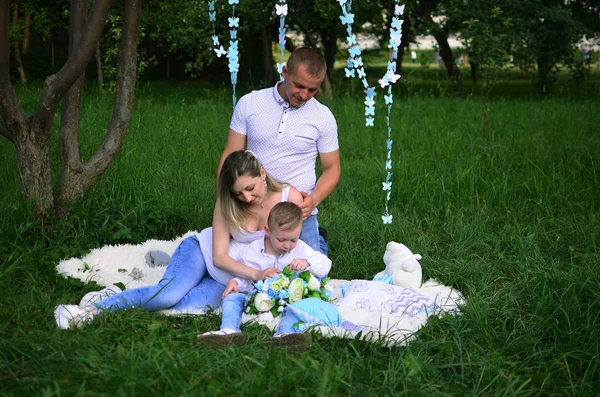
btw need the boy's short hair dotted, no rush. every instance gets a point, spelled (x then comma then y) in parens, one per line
(285, 215)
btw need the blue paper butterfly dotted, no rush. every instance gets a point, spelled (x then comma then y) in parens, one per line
(369, 121)
(349, 72)
(354, 51)
(387, 219)
(220, 51)
(234, 22)
(347, 19)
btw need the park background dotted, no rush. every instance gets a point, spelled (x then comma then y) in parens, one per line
(496, 185)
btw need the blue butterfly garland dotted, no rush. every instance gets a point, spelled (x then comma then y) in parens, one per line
(233, 51)
(355, 68)
(281, 9)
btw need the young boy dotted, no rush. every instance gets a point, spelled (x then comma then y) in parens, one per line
(280, 247)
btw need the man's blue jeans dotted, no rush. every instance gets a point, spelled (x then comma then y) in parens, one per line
(310, 235)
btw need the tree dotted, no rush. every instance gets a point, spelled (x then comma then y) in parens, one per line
(487, 43)
(30, 133)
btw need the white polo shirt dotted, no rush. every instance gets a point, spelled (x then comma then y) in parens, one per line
(254, 255)
(286, 139)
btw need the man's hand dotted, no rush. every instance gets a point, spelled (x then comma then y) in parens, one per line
(267, 273)
(232, 286)
(307, 205)
(299, 264)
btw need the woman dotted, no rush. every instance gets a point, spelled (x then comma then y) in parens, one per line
(195, 278)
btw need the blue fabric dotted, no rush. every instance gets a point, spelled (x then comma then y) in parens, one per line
(310, 235)
(186, 284)
(232, 309)
(288, 321)
(315, 311)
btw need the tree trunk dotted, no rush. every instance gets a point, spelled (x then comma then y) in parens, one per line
(17, 45)
(267, 45)
(30, 134)
(448, 58)
(33, 156)
(26, 32)
(474, 75)
(330, 49)
(99, 69)
(70, 162)
(78, 178)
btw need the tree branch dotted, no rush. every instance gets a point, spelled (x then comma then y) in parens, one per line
(70, 162)
(5, 132)
(57, 85)
(14, 118)
(126, 81)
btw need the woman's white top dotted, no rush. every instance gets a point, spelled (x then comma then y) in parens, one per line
(238, 241)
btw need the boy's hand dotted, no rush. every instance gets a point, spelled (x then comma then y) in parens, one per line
(232, 286)
(299, 264)
(267, 273)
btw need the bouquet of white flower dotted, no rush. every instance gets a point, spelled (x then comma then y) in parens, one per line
(274, 293)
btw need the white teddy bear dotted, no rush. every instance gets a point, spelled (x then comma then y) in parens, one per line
(402, 266)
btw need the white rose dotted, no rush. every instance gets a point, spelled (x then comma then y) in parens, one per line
(276, 285)
(296, 290)
(314, 284)
(262, 302)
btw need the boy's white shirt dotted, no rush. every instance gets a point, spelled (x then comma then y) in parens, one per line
(254, 255)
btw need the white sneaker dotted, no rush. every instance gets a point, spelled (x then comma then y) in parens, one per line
(94, 296)
(71, 316)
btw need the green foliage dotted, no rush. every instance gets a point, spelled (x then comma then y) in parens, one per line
(111, 54)
(510, 218)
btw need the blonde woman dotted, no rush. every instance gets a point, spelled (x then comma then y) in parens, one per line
(203, 264)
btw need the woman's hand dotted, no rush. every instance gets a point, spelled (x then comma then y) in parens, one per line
(267, 273)
(299, 264)
(232, 286)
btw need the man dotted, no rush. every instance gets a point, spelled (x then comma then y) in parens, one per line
(286, 128)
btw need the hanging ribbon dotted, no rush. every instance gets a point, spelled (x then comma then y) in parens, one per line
(355, 68)
(232, 51)
(281, 9)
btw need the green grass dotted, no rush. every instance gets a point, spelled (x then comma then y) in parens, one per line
(510, 216)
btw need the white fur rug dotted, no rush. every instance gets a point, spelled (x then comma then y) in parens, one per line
(127, 264)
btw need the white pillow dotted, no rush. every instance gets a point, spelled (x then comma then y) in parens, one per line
(378, 296)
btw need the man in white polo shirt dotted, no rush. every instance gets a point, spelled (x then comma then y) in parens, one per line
(287, 128)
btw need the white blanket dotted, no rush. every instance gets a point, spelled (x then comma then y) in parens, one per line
(127, 264)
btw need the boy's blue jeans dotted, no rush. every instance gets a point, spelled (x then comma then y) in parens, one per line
(233, 307)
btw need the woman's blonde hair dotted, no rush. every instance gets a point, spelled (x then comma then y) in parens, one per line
(240, 163)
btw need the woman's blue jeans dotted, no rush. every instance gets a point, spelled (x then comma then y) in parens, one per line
(186, 285)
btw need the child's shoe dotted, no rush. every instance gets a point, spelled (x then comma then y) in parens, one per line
(221, 338)
(94, 296)
(294, 341)
(71, 316)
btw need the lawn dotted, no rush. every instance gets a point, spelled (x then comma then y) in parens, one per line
(508, 215)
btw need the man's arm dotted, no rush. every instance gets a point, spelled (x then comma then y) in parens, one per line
(326, 183)
(235, 142)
